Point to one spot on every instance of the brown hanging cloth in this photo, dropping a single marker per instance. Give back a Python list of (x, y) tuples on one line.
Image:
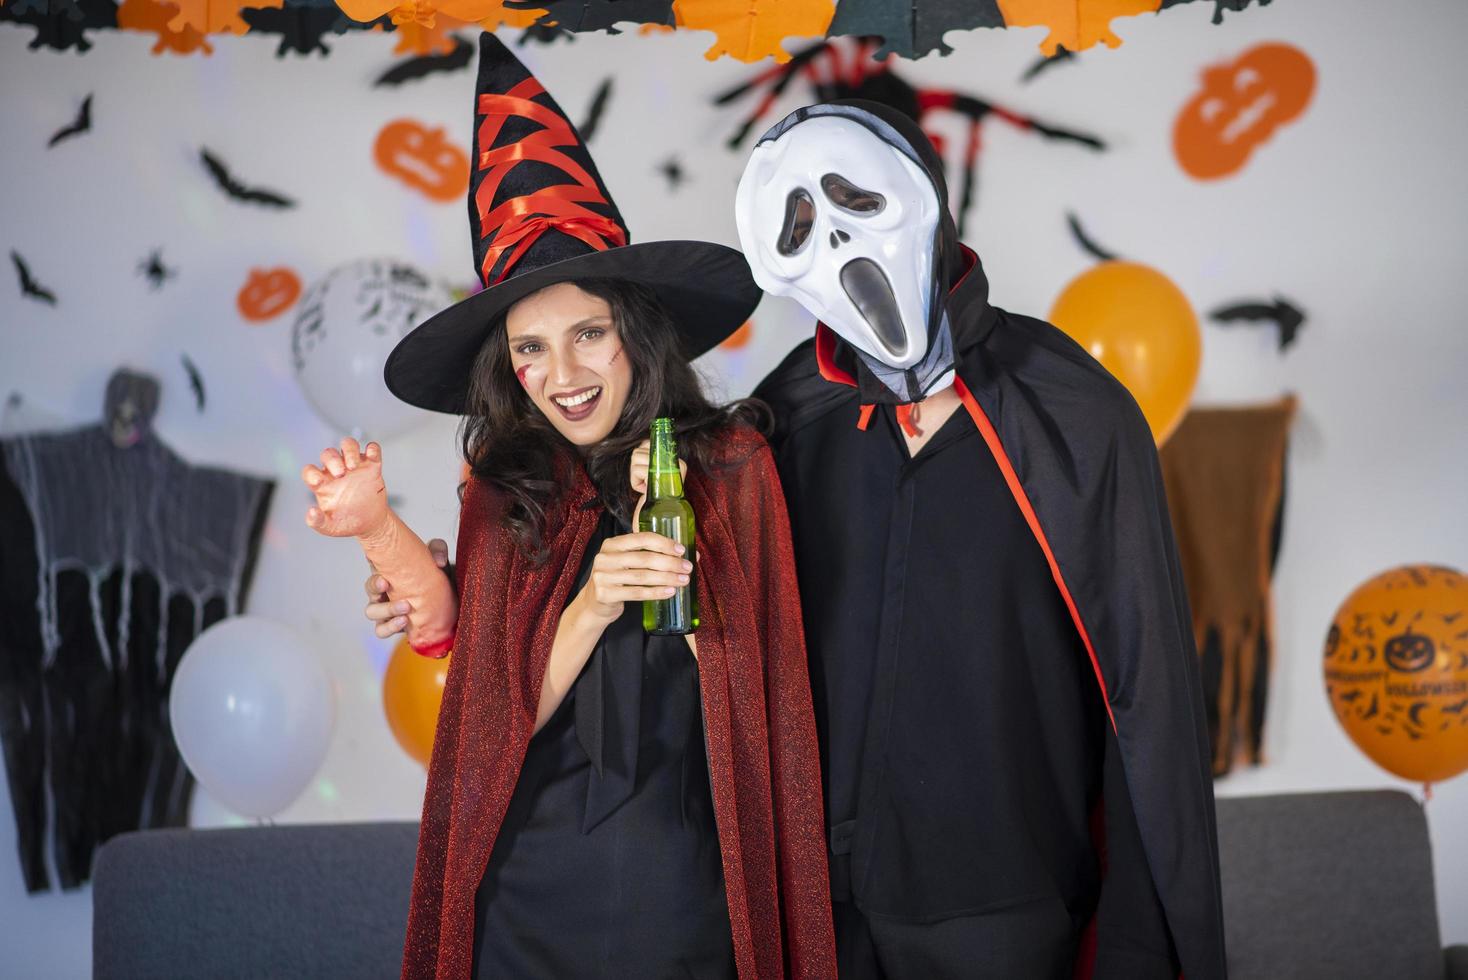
[(1224, 471)]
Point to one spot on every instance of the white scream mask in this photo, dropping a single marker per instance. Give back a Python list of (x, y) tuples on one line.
[(844, 222)]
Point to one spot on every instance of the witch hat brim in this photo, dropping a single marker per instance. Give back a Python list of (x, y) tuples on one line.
[(707, 290), (539, 215)]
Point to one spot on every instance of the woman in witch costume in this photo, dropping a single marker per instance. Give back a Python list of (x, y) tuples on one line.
[(600, 802)]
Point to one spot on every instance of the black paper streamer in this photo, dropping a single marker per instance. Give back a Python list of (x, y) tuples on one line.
[(578, 16), (1219, 6), (912, 30), (61, 24)]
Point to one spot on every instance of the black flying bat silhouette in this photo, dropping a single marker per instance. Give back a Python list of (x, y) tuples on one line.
[(77, 126), (196, 381), (1085, 241), (1044, 64), (28, 285), (1287, 317), (237, 190), (429, 64), (598, 108), (672, 170)]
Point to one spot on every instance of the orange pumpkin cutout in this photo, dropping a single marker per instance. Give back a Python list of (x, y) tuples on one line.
[(268, 293), (1240, 106), (739, 338), (1396, 671), (421, 158)]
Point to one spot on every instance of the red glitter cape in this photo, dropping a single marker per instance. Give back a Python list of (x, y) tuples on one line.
[(758, 721)]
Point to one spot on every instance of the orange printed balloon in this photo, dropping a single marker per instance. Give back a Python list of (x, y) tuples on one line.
[(739, 338), (422, 159), (1239, 107), (1396, 671), (268, 293), (412, 690), (1143, 330)]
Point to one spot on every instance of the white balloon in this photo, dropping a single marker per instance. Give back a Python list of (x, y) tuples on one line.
[(345, 326), (252, 711)]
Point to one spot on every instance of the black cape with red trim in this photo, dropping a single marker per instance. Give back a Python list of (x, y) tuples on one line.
[(1081, 467)]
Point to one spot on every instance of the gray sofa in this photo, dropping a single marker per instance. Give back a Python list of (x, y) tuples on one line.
[(1330, 885)]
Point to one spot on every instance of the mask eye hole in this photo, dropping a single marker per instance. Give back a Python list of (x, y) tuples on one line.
[(849, 197), (800, 214)]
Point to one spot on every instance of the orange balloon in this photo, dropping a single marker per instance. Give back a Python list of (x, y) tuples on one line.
[(412, 690), (1396, 671), (1143, 330), (739, 338)]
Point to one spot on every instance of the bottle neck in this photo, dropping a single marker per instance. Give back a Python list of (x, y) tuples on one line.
[(663, 478)]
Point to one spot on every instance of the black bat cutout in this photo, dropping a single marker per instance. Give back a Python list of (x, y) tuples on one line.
[(429, 64), (81, 124), (542, 33), (598, 109), (237, 190), (155, 271), (1287, 317), (196, 382), (578, 16), (28, 284), (1060, 56), (672, 171), (1085, 241)]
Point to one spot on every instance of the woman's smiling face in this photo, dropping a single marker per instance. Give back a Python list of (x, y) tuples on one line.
[(567, 352)]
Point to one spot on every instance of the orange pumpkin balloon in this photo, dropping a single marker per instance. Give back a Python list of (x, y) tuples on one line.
[(1143, 330), (1396, 671), (412, 690), (423, 159), (268, 293), (1239, 107)]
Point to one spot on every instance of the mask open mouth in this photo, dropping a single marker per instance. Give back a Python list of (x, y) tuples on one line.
[(867, 287)]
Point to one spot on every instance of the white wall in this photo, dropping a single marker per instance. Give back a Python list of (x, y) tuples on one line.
[(1356, 211)]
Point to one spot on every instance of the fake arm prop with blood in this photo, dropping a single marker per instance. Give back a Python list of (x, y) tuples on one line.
[(401, 557), (351, 501)]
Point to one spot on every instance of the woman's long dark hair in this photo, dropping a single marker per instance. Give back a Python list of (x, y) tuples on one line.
[(512, 446)]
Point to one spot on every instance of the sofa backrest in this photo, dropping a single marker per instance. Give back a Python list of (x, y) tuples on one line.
[(312, 901), (1332, 885)]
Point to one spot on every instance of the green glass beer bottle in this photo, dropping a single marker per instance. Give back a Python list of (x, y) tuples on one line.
[(665, 512)]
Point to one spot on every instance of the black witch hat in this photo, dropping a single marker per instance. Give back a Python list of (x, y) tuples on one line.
[(539, 214)]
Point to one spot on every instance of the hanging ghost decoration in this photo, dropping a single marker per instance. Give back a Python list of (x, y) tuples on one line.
[(114, 554)]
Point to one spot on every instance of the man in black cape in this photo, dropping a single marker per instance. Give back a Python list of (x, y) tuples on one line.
[(1006, 685)]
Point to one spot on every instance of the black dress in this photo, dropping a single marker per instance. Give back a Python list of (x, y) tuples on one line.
[(607, 864)]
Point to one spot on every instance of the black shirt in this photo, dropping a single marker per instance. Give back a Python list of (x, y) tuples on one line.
[(965, 743), (607, 864)]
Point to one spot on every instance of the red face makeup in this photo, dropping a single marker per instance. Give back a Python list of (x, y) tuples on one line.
[(567, 354)]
